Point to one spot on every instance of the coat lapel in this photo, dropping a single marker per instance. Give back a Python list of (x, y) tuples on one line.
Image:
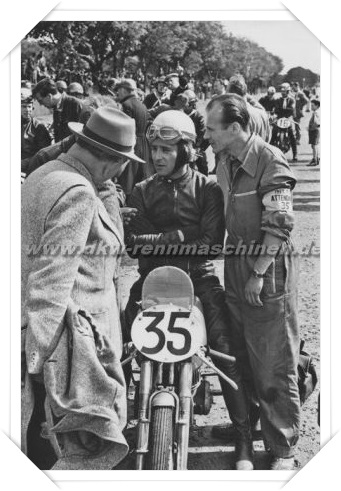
[(103, 214)]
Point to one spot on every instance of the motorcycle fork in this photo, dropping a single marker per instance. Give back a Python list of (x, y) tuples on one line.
[(185, 410), (146, 382)]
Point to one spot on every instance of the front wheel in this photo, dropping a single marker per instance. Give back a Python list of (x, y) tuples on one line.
[(160, 456)]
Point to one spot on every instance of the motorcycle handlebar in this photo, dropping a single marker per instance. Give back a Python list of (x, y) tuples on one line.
[(222, 356)]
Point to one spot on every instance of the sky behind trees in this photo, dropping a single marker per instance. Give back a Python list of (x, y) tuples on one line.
[(290, 40)]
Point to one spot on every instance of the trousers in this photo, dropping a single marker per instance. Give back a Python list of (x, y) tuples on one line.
[(266, 343)]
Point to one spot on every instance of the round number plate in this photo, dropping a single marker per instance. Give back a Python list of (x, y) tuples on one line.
[(166, 333)]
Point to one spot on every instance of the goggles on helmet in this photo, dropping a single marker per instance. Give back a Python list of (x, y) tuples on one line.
[(168, 133)]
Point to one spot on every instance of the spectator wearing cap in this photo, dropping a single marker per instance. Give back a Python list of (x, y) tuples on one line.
[(126, 91), (61, 86), (34, 134), (65, 107), (186, 102), (259, 120), (75, 89), (158, 95), (173, 83), (269, 100), (301, 100)]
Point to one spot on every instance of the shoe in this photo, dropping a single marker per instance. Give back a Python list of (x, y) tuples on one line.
[(279, 464), (311, 163), (294, 159), (244, 455)]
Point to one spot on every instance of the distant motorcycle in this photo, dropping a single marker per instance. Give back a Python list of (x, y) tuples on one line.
[(170, 345), (280, 133)]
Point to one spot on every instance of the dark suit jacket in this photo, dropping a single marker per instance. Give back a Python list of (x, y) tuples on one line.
[(69, 110), (134, 108)]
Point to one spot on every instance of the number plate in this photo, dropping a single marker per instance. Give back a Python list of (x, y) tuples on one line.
[(166, 333)]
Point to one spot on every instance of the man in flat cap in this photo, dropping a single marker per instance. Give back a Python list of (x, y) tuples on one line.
[(126, 91)]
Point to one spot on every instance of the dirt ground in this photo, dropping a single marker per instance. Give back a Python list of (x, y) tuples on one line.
[(207, 452)]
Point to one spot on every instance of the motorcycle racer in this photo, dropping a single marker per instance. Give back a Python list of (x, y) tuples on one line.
[(285, 108), (179, 206)]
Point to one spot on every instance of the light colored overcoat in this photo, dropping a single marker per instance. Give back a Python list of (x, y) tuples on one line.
[(69, 259)]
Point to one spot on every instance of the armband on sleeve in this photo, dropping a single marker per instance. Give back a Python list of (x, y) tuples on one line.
[(278, 200), (278, 216)]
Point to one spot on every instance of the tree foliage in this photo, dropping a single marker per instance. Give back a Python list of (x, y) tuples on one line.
[(205, 49), (302, 75)]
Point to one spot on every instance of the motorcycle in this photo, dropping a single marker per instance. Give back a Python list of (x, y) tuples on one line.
[(280, 132), (169, 343)]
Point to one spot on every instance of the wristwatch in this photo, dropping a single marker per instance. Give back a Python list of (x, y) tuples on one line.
[(256, 274)]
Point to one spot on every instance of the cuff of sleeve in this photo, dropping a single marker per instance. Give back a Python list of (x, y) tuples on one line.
[(282, 234), (181, 235)]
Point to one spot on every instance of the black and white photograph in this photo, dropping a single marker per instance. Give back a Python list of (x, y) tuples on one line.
[(170, 208)]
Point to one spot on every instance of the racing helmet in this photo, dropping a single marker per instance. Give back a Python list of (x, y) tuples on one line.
[(175, 127), (172, 126)]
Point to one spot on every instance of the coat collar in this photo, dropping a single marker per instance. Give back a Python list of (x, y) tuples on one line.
[(104, 216), (79, 167), (130, 96)]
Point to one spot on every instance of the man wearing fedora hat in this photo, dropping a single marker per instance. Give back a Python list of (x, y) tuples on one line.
[(70, 318), (126, 91)]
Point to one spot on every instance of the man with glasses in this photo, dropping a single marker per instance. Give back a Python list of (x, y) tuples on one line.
[(65, 108), (179, 206)]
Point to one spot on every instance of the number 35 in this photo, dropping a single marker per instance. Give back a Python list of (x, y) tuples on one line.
[(158, 316)]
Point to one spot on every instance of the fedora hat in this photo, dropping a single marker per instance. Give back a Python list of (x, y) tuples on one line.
[(110, 130), (126, 83)]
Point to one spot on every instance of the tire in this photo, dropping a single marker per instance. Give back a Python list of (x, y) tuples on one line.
[(160, 455)]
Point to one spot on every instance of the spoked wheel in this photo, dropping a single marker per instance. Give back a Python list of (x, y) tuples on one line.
[(160, 455)]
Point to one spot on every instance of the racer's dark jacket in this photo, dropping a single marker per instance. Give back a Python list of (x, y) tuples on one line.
[(290, 107), (193, 204)]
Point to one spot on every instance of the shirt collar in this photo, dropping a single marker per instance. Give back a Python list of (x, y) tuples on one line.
[(247, 157)]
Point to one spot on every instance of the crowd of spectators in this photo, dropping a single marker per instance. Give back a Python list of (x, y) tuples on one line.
[(73, 97)]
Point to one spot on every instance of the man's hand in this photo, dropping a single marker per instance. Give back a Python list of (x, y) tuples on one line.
[(174, 237), (128, 214), (253, 289)]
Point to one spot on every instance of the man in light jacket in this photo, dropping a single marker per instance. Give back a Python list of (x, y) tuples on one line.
[(70, 319)]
